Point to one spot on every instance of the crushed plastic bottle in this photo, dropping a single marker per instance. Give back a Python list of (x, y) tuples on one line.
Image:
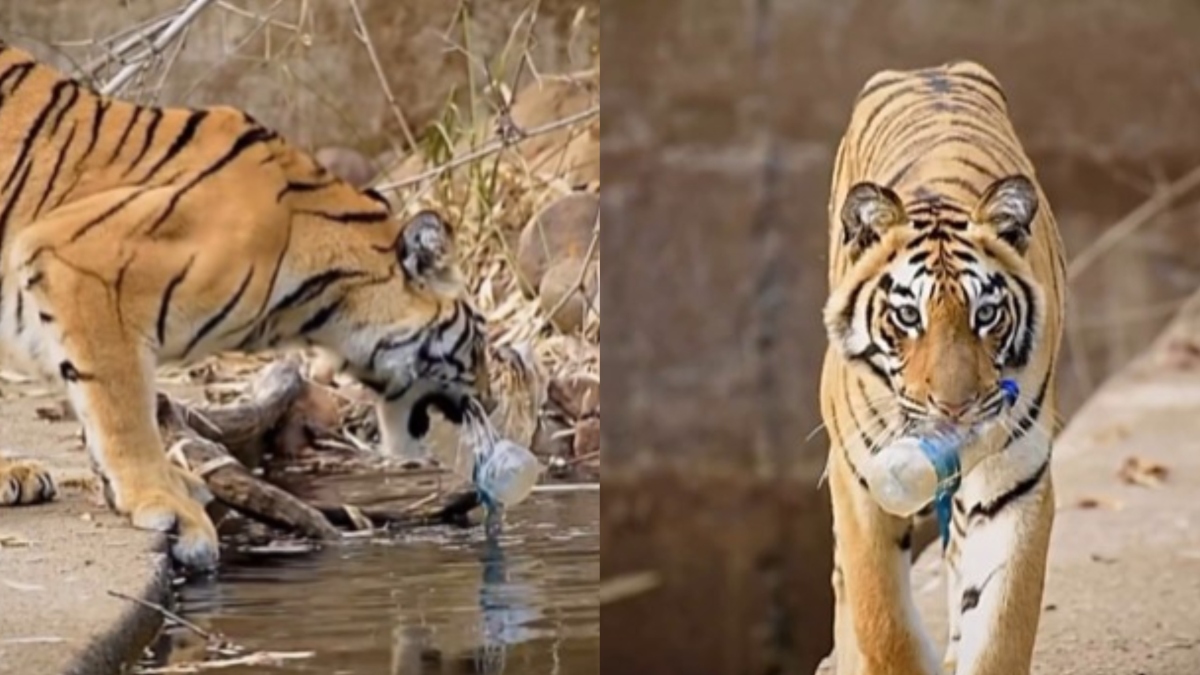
[(504, 472), (905, 476), (915, 470)]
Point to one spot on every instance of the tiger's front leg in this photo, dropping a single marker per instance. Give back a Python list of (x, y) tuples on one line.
[(70, 321), (1003, 518), (877, 630)]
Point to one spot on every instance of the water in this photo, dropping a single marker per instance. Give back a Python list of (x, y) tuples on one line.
[(438, 600)]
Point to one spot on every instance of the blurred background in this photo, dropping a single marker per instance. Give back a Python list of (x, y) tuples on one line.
[(722, 123)]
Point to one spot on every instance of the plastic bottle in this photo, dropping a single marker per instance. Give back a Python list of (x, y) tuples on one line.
[(903, 477), (505, 472)]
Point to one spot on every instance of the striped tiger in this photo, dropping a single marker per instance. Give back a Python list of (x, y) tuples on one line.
[(946, 275), (132, 236)]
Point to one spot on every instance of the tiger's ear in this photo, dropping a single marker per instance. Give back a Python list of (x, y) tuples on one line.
[(426, 248), (868, 211), (1008, 207)]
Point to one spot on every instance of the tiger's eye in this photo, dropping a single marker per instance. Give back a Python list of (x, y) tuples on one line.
[(986, 314), (908, 316)]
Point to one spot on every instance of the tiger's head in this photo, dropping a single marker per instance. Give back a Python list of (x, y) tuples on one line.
[(408, 328), (939, 302)]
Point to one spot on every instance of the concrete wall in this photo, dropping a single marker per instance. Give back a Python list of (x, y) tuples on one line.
[(721, 121)]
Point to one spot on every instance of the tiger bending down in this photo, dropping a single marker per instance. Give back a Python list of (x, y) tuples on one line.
[(132, 236), (946, 275)]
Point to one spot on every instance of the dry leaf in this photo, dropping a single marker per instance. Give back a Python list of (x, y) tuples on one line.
[(1138, 471), (12, 541), (59, 412), (1106, 503)]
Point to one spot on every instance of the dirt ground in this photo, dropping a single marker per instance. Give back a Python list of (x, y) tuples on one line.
[(58, 563)]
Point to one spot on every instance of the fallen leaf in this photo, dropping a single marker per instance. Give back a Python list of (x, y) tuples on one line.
[(56, 413), (12, 541), (1106, 503), (1138, 471)]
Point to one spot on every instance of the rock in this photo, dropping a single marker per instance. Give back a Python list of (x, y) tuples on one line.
[(560, 231), (574, 398), (347, 164), (552, 98), (559, 281), (587, 437)]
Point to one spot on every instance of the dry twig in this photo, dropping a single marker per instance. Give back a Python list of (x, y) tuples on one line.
[(1132, 222), (167, 614), (365, 37), (490, 148)]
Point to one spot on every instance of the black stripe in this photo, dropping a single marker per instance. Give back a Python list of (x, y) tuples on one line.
[(321, 317), (990, 509), (156, 116), (217, 318), (374, 194), (66, 107), (53, 181), (880, 84), (12, 201), (295, 186), (957, 182), (391, 344), (986, 83), (312, 287), (21, 71), (1024, 351), (137, 111), (106, 215), (34, 129), (185, 136), (20, 312), (243, 142), (866, 129), (165, 305), (97, 121), (350, 217)]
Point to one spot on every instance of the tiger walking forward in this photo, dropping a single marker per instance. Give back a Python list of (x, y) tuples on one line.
[(946, 276), (132, 236)]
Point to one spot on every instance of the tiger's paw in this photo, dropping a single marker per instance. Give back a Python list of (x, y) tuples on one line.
[(171, 508), (24, 482)]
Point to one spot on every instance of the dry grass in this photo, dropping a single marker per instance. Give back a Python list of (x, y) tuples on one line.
[(474, 163)]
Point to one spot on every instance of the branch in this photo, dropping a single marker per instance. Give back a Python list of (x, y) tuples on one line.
[(1136, 219), (383, 83), (169, 33), (492, 148)]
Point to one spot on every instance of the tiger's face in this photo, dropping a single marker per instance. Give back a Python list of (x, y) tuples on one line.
[(412, 333), (939, 302)]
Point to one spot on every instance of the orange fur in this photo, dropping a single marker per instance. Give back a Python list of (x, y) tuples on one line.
[(132, 236), (946, 275)]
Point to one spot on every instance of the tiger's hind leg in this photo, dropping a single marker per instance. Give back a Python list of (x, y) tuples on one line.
[(1008, 512), (877, 630), (72, 323), (24, 482)]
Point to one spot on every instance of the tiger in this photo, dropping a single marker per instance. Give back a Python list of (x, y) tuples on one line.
[(133, 236), (946, 276)]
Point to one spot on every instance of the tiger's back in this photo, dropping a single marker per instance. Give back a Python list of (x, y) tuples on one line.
[(133, 235), (947, 279)]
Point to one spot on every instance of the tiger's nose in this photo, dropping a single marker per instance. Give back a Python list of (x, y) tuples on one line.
[(952, 410)]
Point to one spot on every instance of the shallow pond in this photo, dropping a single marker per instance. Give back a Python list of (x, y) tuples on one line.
[(437, 600)]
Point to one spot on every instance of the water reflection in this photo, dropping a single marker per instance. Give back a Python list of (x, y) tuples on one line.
[(442, 601)]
